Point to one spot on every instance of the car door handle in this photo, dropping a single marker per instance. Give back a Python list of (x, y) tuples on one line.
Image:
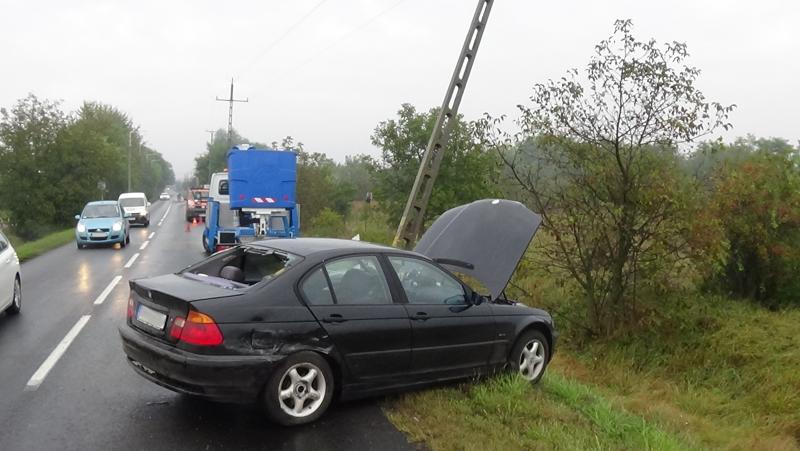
[(334, 318), (420, 316)]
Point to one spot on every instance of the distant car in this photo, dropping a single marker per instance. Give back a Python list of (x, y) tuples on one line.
[(289, 322), (196, 203), (10, 280), (102, 222), (164, 196), (135, 207)]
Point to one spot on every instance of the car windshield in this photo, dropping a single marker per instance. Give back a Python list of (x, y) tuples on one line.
[(132, 202), (100, 211), (243, 265)]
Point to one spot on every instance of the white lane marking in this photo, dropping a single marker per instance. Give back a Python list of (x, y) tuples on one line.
[(151, 236), (165, 215), (38, 377), (133, 259), (144, 245), (100, 299)]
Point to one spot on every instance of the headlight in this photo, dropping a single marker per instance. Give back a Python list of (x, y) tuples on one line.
[(81, 227), (117, 226)]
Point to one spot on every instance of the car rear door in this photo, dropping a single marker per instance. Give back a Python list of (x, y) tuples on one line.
[(352, 300), (449, 336)]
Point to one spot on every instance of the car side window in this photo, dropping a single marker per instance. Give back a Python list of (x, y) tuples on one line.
[(3, 243), (424, 283), (315, 288), (223, 187), (358, 281)]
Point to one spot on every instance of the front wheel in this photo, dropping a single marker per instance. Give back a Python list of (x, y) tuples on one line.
[(530, 356), (16, 300), (299, 390)]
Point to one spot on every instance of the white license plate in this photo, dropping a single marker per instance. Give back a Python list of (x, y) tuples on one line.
[(151, 317), (99, 235)]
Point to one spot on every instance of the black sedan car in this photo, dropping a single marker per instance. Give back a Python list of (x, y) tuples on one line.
[(293, 323)]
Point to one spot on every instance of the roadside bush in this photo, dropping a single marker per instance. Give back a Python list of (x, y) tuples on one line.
[(328, 223), (757, 203)]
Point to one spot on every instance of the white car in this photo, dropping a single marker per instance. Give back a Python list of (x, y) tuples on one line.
[(10, 281), (164, 196)]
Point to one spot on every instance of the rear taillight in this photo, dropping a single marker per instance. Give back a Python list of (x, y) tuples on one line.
[(191, 203), (197, 329), (221, 247), (130, 307)]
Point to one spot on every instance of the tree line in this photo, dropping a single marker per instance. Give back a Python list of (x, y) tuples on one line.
[(52, 162), (640, 202)]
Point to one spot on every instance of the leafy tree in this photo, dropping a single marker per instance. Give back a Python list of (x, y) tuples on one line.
[(28, 136), (598, 157), (328, 223), (468, 171)]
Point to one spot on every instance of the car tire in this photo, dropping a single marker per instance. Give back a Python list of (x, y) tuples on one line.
[(80, 246), (16, 300), (292, 384), (530, 356)]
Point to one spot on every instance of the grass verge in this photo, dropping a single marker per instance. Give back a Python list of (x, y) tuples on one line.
[(27, 251), (507, 413)]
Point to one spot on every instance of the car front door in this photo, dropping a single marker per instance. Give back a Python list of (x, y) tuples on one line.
[(352, 300), (6, 273), (449, 336)]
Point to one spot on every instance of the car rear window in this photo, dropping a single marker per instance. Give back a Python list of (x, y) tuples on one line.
[(242, 267)]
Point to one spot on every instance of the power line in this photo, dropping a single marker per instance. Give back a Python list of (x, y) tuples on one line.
[(283, 35), (341, 38)]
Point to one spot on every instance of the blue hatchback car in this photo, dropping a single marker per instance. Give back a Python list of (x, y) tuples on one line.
[(102, 222)]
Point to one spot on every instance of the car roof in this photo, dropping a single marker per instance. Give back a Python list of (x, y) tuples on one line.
[(124, 195), (103, 202), (308, 246)]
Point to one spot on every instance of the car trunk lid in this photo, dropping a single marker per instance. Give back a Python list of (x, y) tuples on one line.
[(484, 239), (157, 301)]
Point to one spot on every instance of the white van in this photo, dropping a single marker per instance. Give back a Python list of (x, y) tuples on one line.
[(135, 207)]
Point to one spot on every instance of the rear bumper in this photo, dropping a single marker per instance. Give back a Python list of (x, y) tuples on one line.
[(220, 378)]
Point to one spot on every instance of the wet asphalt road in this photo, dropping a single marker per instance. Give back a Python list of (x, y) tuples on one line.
[(92, 399)]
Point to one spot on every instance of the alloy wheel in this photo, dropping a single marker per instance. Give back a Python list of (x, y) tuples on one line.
[(532, 359), (302, 390)]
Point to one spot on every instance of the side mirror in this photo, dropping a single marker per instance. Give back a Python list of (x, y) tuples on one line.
[(474, 298), (77, 217), (148, 204)]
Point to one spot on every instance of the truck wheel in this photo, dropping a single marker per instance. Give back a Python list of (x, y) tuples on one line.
[(203, 239)]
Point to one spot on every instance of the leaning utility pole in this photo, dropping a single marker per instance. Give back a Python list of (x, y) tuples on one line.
[(414, 213), (230, 101)]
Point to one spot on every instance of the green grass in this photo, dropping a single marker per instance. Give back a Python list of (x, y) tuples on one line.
[(712, 373), (507, 413), (27, 251)]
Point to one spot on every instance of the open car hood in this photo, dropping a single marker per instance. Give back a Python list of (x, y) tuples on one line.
[(489, 236)]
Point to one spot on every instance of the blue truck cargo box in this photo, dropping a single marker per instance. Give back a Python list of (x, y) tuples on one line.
[(262, 178)]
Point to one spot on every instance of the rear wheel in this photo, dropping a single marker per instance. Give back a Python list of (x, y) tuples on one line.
[(16, 300), (299, 390), (530, 356)]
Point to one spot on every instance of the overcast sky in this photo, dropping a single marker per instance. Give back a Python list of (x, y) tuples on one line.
[(331, 79)]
